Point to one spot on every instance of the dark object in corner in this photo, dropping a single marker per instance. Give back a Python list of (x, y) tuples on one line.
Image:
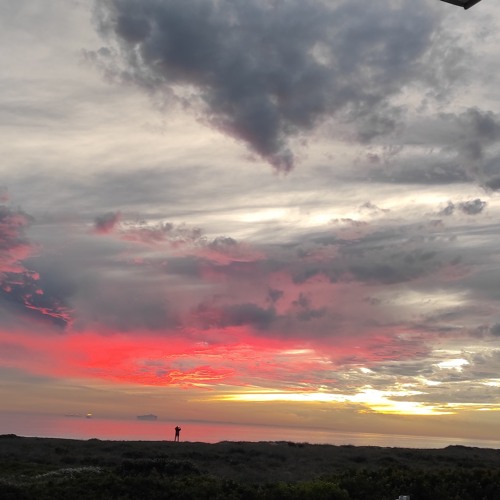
[(466, 4)]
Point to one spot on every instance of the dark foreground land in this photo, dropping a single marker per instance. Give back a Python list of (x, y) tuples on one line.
[(39, 468)]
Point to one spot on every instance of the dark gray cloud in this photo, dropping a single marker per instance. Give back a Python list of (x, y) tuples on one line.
[(478, 130), (472, 207), (493, 183), (473, 137), (380, 255), (188, 266), (248, 314), (304, 309), (106, 223), (266, 71), (495, 330), (123, 305), (441, 149), (449, 209), (423, 170), (274, 295)]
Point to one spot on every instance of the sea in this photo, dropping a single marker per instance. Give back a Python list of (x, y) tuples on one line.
[(82, 428)]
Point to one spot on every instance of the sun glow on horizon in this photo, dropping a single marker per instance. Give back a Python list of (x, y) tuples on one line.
[(372, 400)]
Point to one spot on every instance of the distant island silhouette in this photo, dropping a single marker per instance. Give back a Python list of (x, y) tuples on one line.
[(149, 416)]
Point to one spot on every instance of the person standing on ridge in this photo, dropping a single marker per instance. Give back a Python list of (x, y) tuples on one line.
[(177, 433)]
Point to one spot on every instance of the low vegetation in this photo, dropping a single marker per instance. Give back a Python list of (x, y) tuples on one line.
[(39, 468)]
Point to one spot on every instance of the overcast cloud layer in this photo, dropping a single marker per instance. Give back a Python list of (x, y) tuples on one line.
[(289, 203)]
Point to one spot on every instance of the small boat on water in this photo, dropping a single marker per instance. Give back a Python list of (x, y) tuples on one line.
[(150, 416)]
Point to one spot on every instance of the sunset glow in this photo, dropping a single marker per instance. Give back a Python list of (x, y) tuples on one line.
[(374, 400), (272, 213)]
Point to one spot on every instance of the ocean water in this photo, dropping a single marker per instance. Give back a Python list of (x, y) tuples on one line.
[(161, 430)]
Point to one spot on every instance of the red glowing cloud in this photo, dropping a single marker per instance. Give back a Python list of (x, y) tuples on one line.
[(236, 358)]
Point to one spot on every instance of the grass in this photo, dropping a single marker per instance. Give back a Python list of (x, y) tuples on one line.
[(62, 468)]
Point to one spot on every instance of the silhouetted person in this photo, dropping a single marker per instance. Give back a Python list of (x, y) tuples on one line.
[(177, 433)]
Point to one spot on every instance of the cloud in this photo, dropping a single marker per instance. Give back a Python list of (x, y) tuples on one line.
[(14, 249), (447, 210), (4, 195), (320, 290), (265, 72), (470, 207), (176, 235), (247, 314), (106, 223), (14, 246), (478, 130), (438, 148), (21, 290), (323, 286)]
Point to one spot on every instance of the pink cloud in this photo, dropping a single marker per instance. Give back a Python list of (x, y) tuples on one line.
[(14, 247), (106, 223)]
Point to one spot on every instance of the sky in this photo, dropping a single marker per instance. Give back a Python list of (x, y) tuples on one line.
[(273, 212)]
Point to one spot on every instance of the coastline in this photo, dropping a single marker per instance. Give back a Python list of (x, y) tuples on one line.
[(134, 429)]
